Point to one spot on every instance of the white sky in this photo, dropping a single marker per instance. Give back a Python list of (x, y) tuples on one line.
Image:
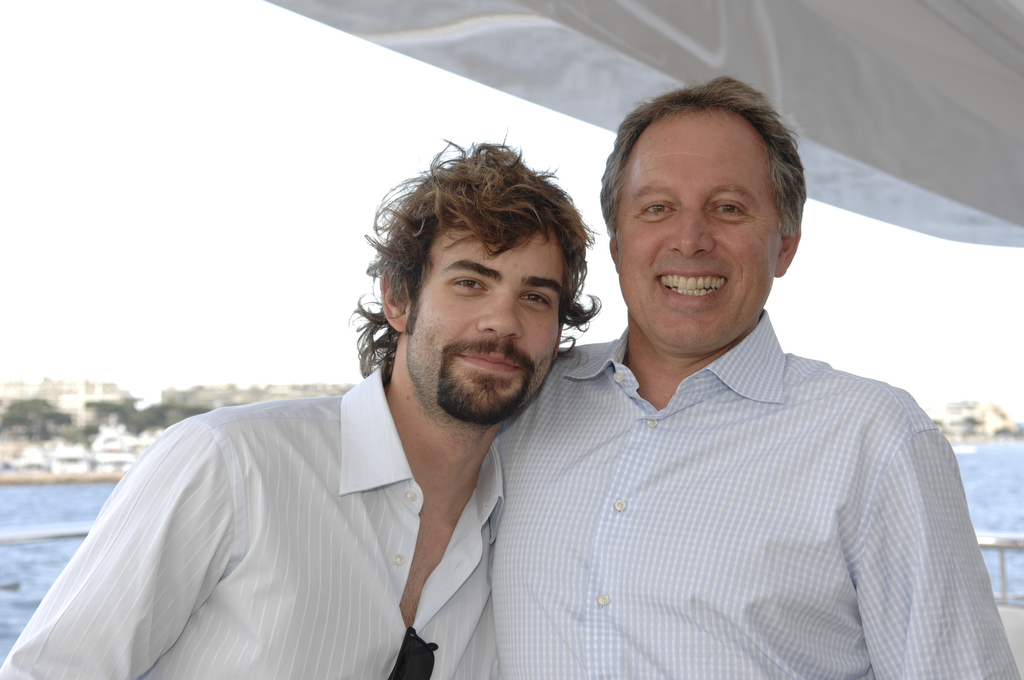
[(184, 190)]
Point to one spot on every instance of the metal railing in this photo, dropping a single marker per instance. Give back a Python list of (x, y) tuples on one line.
[(31, 534), (994, 540), (44, 532), (989, 540)]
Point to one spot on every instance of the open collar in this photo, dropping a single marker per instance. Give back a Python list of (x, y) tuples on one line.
[(372, 455), (754, 368), (371, 451)]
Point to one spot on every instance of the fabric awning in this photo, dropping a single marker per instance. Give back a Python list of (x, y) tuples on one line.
[(910, 111)]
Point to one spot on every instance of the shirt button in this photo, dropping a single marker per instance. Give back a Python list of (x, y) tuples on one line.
[(410, 495), (619, 505), (398, 560), (604, 600), (619, 377), (652, 423)]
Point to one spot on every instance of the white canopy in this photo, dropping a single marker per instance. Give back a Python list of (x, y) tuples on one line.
[(910, 111)]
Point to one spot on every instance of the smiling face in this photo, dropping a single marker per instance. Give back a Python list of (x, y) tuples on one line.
[(484, 331), (698, 240)]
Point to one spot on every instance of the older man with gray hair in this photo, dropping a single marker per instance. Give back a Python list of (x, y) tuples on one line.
[(689, 501)]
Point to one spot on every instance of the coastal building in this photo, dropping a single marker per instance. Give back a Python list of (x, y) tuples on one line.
[(215, 396), (67, 396), (967, 419)]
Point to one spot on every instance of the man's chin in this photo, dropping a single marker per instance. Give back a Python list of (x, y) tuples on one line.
[(484, 401)]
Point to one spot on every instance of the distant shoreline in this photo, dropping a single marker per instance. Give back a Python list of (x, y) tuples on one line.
[(59, 478)]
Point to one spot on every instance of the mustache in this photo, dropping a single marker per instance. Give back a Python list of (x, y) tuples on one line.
[(506, 348)]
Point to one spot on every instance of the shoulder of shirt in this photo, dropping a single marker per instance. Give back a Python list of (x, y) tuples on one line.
[(582, 356), (558, 384), (318, 408), (804, 375)]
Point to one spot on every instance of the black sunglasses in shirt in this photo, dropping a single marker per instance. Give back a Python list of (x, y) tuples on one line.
[(415, 658)]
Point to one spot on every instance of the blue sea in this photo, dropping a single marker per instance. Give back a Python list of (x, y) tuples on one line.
[(35, 566), (993, 480)]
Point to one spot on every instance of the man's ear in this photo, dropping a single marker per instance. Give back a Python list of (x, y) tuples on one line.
[(396, 310), (613, 246), (786, 254)]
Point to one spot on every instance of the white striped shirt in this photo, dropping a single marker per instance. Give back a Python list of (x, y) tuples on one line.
[(267, 541), (778, 519)]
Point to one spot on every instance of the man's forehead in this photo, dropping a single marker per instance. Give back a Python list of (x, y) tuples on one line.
[(724, 146), (465, 241), (702, 134), (451, 238), (452, 248)]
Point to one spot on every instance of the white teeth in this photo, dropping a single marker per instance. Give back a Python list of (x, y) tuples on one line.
[(701, 285)]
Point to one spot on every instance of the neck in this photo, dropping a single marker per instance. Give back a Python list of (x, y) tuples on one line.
[(444, 454), (660, 370), (657, 376)]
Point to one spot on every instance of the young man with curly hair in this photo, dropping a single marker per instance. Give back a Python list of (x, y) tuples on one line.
[(344, 537)]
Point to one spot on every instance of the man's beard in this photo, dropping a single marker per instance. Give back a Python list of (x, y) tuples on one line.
[(476, 399), (480, 402)]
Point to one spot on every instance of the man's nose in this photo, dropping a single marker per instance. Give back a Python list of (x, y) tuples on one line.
[(691, 233), (501, 316)]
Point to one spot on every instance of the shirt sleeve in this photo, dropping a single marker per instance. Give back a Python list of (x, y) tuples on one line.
[(159, 546), (922, 587)]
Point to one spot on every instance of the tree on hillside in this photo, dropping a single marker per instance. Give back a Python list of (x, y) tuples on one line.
[(155, 416), (165, 415), (970, 424), (124, 410), (34, 419)]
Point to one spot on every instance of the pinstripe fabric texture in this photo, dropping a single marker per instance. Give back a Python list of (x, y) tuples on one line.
[(778, 519), (267, 541)]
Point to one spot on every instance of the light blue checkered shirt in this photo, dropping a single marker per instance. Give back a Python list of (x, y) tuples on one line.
[(778, 519)]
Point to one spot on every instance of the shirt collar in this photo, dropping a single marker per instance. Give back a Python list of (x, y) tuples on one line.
[(489, 491), (753, 369), (594, 359), (371, 451), (372, 455)]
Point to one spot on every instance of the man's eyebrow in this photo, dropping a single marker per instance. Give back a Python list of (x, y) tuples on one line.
[(649, 189), (476, 267), (541, 282), (735, 188), (495, 275)]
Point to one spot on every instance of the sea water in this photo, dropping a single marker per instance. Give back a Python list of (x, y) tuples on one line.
[(994, 483), (993, 479), (33, 567)]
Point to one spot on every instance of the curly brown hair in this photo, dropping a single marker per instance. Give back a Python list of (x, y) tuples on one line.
[(487, 193)]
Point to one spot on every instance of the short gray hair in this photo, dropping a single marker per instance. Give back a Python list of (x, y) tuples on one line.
[(785, 171)]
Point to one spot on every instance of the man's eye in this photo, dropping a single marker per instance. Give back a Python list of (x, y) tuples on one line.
[(729, 208), (467, 283), (656, 208), (535, 297)]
